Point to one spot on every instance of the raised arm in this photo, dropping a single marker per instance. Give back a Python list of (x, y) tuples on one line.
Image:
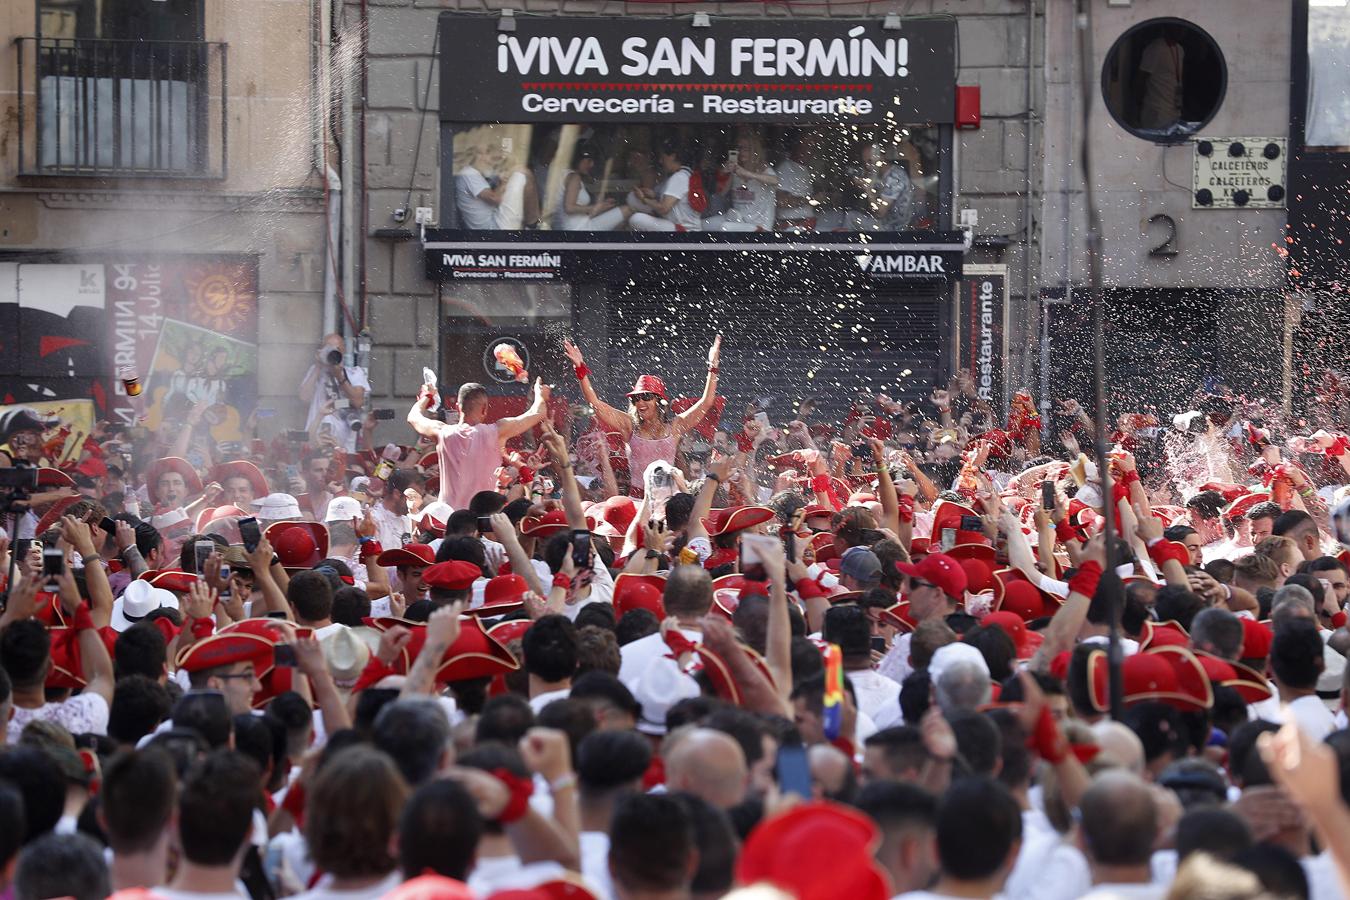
[(417, 417), (886, 493), (689, 419), (509, 428), (613, 418), (520, 563), (557, 448)]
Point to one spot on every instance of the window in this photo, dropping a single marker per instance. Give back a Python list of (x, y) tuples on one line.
[(642, 177), (125, 87), (1328, 115), (1164, 80)]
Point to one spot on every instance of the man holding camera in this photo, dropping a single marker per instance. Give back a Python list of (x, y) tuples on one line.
[(335, 393)]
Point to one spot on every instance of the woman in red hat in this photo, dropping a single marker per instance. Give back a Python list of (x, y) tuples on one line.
[(649, 429)]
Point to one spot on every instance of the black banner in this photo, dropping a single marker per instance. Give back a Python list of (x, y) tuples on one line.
[(587, 69), (983, 323), (933, 257)]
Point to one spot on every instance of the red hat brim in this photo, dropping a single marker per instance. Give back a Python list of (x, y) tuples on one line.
[(242, 468), (736, 518), (173, 464), (403, 556)]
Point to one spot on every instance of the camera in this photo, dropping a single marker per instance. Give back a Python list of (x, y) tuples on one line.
[(17, 478), (333, 357)]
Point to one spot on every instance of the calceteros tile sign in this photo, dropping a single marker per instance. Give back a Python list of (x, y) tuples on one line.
[(1239, 173)]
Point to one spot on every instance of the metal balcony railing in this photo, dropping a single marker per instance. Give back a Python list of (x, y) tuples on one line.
[(125, 108)]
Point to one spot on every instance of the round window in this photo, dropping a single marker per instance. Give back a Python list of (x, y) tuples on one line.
[(1164, 79)]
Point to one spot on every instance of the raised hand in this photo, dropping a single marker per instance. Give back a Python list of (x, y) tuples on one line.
[(573, 353), (715, 352)]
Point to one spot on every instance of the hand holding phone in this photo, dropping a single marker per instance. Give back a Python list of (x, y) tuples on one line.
[(283, 655), (794, 771), (1048, 495), (249, 533), (53, 567), (581, 548)]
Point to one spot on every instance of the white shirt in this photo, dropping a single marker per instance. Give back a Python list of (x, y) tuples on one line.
[(474, 213), (796, 180), (1323, 883), (878, 696), (635, 656), (503, 873), (753, 201), (322, 891), (1312, 715), (389, 528), (1126, 892), (538, 703), (677, 186), (328, 388), (1048, 867), (595, 863), (85, 713)]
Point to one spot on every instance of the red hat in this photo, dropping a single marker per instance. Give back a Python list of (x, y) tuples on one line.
[(225, 649), (299, 545), (649, 384), (1229, 491), (619, 512), (173, 464), (1243, 505), (736, 518), (815, 510), (175, 580), (278, 631), (48, 477), (93, 467), (1015, 593), (502, 594), (430, 460), (53, 513), (408, 555), (1163, 634), (550, 523), (939, 569), (474, 654), (822, 545), (1012, 624), (216, 513), (981, 552), (1247, 682), (509, 630), (1256, 638), (815, 851), (66, 665), (453, 575), (947, 514), (898, 616), (979, 574), (639, 592), (1171, 675), (242, 468)]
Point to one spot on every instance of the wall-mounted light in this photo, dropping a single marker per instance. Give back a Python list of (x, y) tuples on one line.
[(701, 20), (892, 22), (508, 20)]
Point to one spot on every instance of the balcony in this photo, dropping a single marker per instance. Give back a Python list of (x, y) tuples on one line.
[(122, 108)]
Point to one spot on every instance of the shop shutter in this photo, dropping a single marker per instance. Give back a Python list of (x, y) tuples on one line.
[(782, 346)]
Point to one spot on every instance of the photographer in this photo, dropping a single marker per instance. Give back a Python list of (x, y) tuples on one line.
[(328, 385)]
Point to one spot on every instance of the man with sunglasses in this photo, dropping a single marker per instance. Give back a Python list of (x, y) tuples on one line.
[(933, 588)]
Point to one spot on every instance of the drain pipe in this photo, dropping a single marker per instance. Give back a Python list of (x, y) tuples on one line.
[(1028, 182), (332, 256)]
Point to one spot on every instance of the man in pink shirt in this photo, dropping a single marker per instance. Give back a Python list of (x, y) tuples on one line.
[(471, 450)]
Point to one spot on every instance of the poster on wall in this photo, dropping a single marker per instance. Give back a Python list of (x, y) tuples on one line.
[(187, 327), (983, 316)]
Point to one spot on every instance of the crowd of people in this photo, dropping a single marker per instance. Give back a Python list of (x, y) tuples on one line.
[(658, 648), (644, 178)]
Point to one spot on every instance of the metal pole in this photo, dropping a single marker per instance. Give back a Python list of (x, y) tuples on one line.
[(1110, 586)]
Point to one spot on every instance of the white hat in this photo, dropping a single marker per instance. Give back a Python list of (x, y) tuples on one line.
[(276, 507), (437, 510), (343, 509), (346, 655), (360, 484), (660, 687), (956, 652), (139, 600)]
